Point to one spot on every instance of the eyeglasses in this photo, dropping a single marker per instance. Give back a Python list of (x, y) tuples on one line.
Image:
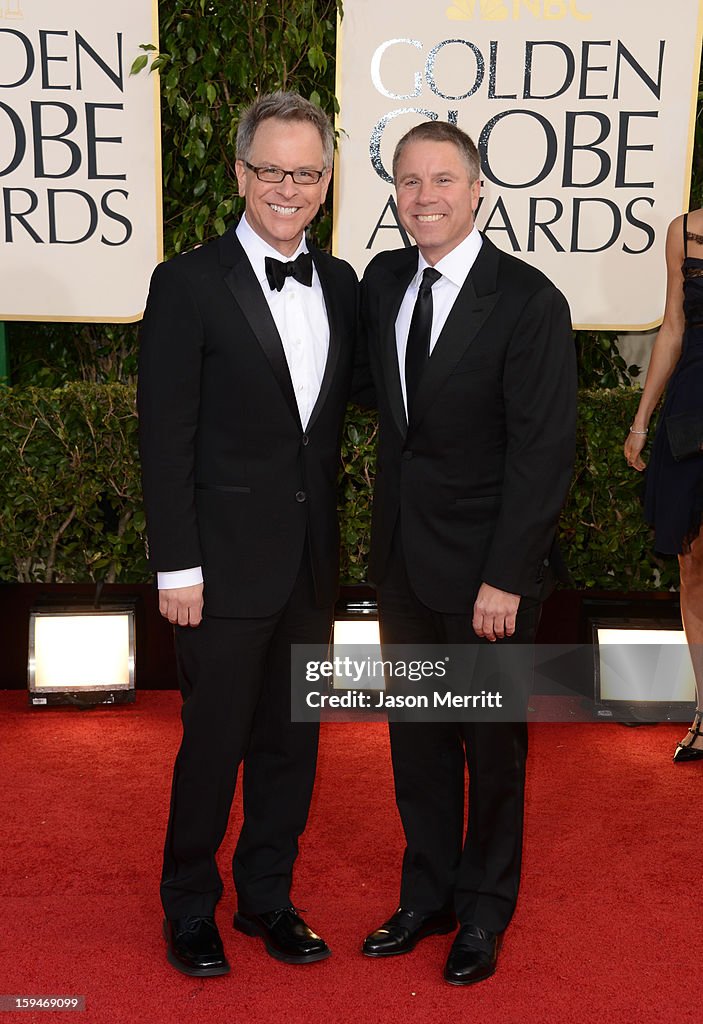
[(275, 175)]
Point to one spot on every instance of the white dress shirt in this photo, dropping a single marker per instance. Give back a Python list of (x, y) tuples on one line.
[(455, 267), (300, 316)]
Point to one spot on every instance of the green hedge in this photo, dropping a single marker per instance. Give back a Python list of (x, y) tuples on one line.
[(605, 541), (71, 508), (71, 498)]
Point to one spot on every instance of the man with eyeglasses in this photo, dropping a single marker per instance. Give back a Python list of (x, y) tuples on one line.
[(246, 357)]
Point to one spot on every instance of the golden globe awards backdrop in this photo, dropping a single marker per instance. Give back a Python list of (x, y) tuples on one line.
[(80, 175), (583, 112)]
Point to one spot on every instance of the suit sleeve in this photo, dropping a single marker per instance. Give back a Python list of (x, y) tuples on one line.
[(363, 392), (539, 391), (168, 399)]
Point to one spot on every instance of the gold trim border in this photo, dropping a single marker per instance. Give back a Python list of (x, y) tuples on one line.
[(624, 328), (693, 108), (338, 128)]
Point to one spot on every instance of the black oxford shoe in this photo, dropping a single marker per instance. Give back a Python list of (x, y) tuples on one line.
[(473, 956), (404, 929), (194, 946), (285, 934)]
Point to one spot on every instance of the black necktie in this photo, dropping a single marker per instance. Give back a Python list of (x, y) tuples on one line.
[(417, 352), (277, 271)]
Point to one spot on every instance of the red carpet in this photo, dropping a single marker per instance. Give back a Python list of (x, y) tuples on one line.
[(608, 926)]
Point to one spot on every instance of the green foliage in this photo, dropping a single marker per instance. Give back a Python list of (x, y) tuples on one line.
[(356, 483), (214, 60), (52, 354), (696, 200), (600, 364), (71, 508), (604, 538)]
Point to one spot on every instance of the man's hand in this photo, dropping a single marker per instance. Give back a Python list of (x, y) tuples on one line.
[(182, 605), (494, 613)]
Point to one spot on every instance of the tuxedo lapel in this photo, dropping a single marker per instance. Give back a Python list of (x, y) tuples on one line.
[(324, 270), (470, 311), (244, 285)]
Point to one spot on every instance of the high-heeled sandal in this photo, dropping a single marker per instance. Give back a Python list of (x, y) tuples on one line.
[(686, 751)]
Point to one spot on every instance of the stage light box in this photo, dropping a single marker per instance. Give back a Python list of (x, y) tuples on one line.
[(643, 666), (356, 625), (82, 657)]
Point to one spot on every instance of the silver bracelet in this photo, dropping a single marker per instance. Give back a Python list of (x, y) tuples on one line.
[(633, 431)]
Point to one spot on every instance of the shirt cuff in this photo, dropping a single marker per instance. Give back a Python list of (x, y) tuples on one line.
[(179, 578)]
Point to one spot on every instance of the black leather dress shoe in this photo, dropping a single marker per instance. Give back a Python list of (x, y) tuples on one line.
[(404, 929), (473, 956), (194, 946), (285, 934)]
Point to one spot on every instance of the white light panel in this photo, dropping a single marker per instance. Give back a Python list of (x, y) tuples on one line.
[(652, 665), (80, 651), (364, 635)]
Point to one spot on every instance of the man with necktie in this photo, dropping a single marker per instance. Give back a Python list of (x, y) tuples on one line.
[(473, 362), (246, 356)]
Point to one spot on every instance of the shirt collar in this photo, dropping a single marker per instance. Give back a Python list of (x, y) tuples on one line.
[(257, 249), (457, 264)]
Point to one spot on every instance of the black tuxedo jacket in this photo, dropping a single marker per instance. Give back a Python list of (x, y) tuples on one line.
[(480, 474), (231, 480)]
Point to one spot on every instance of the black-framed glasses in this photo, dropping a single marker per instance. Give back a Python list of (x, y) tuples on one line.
[(275, 175)]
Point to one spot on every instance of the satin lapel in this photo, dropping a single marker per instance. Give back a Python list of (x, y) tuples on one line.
[(324, 268), (396, 284), (472, 308), (243, 283)]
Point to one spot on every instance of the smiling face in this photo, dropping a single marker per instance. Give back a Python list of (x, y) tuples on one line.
[(436, 197), (279, 213)]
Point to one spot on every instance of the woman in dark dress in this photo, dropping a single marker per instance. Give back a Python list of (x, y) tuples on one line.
[(673, 502)]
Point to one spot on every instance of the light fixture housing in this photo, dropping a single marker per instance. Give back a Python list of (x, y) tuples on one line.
[(356, 625), (643, 670), (83, 656)]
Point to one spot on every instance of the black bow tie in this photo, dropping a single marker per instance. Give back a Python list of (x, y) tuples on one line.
[(277, 271)]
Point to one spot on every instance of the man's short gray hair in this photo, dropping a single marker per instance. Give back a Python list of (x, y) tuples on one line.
[(442, 131), (284, 106)]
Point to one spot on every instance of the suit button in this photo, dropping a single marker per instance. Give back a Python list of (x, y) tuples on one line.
[(407, 455), (306, 440), (300, 496)]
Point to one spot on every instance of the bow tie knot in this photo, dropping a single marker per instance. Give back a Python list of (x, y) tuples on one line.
[(277, 271)]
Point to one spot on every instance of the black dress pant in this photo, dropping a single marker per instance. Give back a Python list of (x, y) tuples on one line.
[(235, 681), (478, 874)]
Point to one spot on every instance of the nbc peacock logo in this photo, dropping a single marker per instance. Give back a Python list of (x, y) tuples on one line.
[(513, 10), (488, 10)]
